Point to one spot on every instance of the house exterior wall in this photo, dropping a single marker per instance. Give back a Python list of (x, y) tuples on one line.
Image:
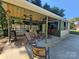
[(77, 27), (43, 28), (64, 32)]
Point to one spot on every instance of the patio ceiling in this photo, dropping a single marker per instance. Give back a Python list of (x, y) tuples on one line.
[(19, 12), (29, 6)]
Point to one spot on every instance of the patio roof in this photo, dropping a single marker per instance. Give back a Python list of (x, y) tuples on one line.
[(27, 5)]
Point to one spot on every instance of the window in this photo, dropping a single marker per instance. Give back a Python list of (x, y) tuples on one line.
[(53, 25), (65, 25)]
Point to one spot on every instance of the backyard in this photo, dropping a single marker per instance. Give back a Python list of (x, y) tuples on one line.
[(39, 29)]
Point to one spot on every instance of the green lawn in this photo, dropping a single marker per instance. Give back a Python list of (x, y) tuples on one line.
[(74, 32)]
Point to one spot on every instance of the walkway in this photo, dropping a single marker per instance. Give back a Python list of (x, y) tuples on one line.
[(67, 49)]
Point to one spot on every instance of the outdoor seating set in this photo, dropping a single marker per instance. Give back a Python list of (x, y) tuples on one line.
[(32, 36), (38, 51)]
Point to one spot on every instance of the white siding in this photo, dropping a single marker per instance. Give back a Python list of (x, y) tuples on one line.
[(64, 33)]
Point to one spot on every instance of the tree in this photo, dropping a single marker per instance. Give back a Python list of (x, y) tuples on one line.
[(55, 10), (74, 19), (37, 2), (72, 25), (3, 21), (58, 11), (47, 7)]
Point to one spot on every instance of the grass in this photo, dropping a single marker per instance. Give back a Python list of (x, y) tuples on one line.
[(74, 32)]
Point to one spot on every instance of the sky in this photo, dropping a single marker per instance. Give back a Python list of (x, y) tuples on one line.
[(71, 6)]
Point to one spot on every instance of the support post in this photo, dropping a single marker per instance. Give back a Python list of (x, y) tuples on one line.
[(58, 25), (60, 28), (8, 18), (68, 25), (46, 28), (47, 48)]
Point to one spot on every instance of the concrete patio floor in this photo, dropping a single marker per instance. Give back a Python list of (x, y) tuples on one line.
[(66, 49), (15, 53), (15, 50)]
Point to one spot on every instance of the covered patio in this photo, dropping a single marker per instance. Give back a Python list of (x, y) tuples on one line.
[(23, 16), (33, 22)]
